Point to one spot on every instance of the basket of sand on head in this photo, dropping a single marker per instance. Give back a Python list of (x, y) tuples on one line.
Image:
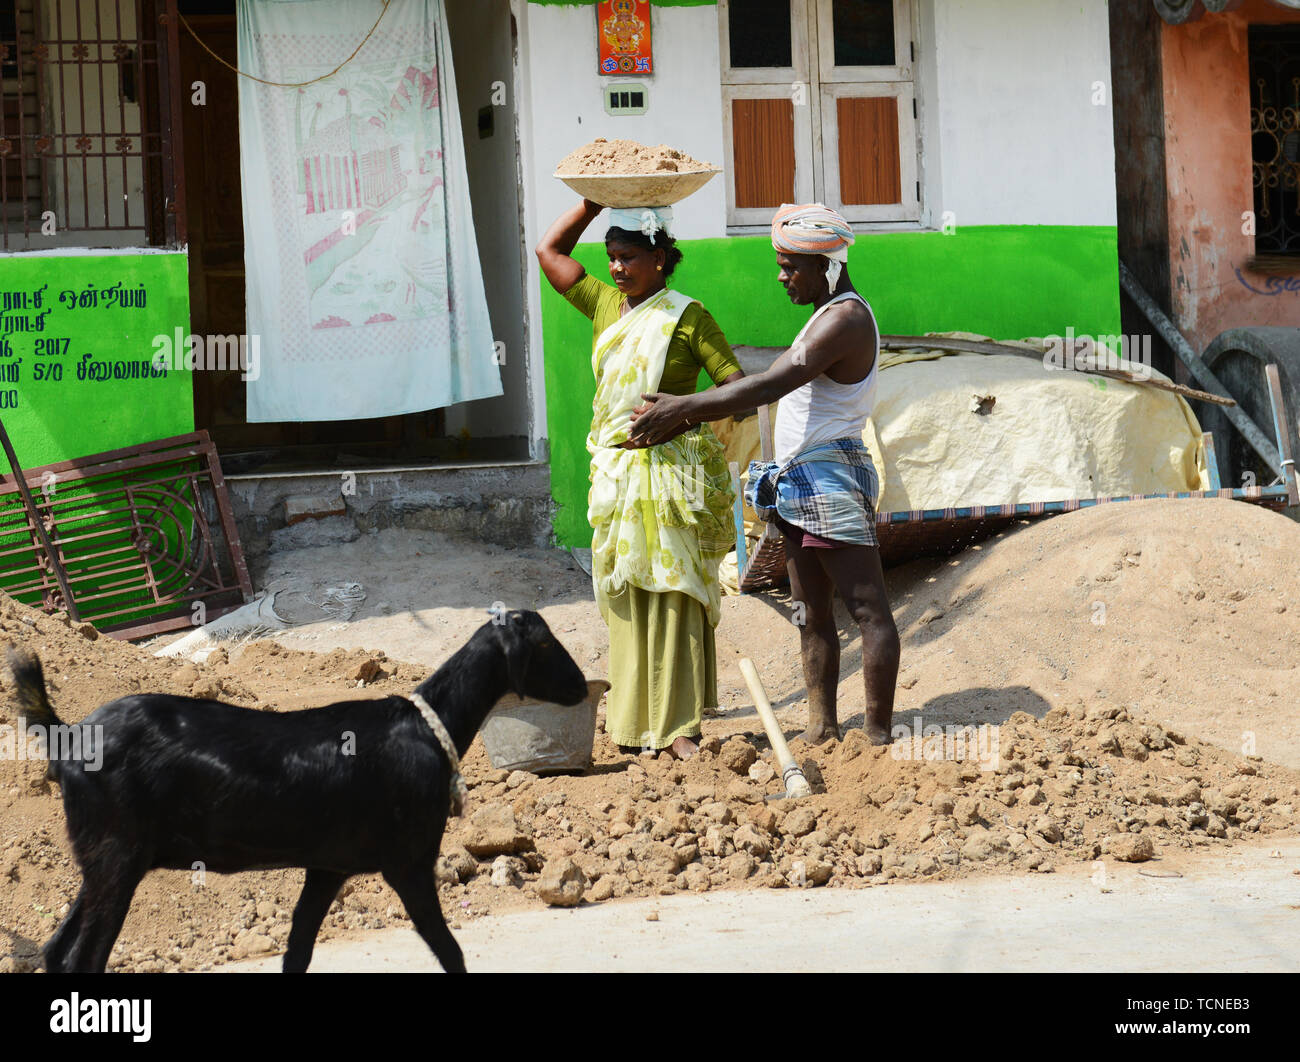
[(623, 173)]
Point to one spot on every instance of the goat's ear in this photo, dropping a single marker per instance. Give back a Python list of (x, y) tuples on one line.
[(518, 649)]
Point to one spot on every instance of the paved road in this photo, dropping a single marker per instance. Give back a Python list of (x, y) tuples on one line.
[(1234, 910)]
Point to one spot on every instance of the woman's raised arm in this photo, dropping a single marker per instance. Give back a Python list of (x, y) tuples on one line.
[(555, 248)]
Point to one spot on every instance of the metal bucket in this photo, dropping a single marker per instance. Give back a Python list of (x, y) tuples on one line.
[(542, 738)]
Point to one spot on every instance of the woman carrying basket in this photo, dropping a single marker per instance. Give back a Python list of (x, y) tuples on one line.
[(661, 516)]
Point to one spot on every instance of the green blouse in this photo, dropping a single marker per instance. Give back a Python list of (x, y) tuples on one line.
[(697, 344)]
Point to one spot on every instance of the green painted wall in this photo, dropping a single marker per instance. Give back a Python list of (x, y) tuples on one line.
[(52, 420), (93, 316), (1006, 282)]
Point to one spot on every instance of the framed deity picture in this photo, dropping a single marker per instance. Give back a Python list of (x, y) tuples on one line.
[(623, 37)]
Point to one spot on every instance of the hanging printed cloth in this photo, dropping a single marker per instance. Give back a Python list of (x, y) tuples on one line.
[(363, 277)]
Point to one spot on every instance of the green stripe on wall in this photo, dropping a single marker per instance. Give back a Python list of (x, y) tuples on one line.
[(1004, 281)]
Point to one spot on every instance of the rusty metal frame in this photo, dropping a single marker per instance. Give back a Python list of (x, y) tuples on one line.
[(48, 557), (143, 532)]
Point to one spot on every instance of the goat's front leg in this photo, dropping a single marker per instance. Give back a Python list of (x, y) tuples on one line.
[(56, 949), (318, 893), (418, 891)]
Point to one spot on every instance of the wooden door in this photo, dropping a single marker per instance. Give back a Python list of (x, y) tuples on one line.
[(216, 229)]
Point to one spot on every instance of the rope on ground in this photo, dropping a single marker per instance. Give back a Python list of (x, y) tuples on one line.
[(341, 602)]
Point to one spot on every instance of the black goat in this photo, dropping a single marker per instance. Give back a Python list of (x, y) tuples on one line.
[(351, 788)]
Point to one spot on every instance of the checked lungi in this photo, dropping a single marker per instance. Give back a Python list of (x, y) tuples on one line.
[(828, 490)]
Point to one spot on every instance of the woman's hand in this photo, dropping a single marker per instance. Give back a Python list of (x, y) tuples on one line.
[(660, 418)]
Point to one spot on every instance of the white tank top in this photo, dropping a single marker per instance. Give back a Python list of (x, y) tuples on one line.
[(822, 410)]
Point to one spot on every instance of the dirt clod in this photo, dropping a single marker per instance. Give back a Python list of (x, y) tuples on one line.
[(1132, 848), (562, 883), (738, 755), (494, 831)]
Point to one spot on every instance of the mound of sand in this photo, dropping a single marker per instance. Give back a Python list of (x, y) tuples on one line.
[(614, 157), (1075, 786), (1187, 612)]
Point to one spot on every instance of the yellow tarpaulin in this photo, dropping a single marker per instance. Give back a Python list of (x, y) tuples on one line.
[(997, 429)]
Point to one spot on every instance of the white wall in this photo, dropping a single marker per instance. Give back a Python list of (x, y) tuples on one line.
[(1009, 132), (1020, 141), (566, 104), (482, 56), (561, 107)]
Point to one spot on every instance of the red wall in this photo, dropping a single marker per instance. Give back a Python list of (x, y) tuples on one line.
[(1207, 160)]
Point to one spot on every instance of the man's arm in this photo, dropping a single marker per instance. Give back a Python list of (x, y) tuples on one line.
[(640, 444), (825, 345)]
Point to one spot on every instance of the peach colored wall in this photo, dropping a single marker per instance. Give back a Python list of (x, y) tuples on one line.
[(1207, 158)]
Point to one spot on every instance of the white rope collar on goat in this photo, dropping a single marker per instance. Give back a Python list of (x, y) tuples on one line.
[(458, 791)]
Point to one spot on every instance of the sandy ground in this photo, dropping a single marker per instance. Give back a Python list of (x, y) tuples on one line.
[(1189, 611), (1196, 916), (1137, 660)]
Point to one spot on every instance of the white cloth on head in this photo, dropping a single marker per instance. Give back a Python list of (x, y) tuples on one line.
[(645, 220), (812, 229)]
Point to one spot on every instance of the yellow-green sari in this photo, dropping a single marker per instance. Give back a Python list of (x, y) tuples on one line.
[(661, 522)]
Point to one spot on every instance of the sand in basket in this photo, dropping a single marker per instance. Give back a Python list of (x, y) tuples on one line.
[(624, 173)]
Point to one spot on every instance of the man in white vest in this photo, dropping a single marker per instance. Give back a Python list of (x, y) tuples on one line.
[(821, 490)]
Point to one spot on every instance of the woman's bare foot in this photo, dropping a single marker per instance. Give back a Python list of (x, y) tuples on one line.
[(684, 748)]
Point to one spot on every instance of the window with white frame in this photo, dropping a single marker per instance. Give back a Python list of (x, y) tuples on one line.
[(819, 105)]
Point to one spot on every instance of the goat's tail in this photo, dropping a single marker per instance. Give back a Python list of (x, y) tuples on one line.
[(29, 688)]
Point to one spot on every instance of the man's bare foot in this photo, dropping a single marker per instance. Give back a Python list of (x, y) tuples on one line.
[(877, 734), (820, 732), (684, 748)]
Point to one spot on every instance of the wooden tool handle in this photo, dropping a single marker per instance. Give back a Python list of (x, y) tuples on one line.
[(795, 782)]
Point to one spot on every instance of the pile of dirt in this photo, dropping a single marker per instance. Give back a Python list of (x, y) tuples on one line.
[(615, 157), (1084, 783), (1132, 666), (1184, 611)]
